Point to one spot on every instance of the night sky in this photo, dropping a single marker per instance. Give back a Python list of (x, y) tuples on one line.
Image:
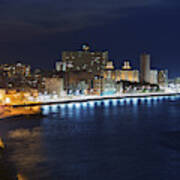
[(36, 31)]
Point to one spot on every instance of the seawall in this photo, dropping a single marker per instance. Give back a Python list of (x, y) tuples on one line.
[(97, 98)]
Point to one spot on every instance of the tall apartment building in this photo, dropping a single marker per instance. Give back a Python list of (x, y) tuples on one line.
[(84, 60), (145, 68)]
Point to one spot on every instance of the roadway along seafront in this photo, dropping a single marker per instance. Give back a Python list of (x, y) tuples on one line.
[(35, 108), (74, 99)]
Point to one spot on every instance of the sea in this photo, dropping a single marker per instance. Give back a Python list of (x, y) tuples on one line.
[(121, 139)]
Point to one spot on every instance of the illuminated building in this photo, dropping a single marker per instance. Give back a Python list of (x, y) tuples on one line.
[(2, 96), (145, 68), (83, 67), (177, 80), (163, 77), (83, 82), (126, 65), (54, 86), (60, 66), (14, 97), (84, 60), (125, 74), (109, 87), (153, 77), (109, 72), (109, 65), (112, 77), (12, 70)]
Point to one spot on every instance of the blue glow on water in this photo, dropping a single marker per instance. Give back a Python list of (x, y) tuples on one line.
[(166, 97), (142, 100), (91, 104), (99, 103), (77, 105), (128, 101), (54, 108), (149, 101), (70, 105), (84, 104), (45, 110), (114, 102), (172, 98), (135, 101), (121, 101), (155, 98), (62, 105), (161, 98), (75, 139), (106, 103)]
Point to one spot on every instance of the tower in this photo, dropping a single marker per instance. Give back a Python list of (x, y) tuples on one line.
[(145, 68)]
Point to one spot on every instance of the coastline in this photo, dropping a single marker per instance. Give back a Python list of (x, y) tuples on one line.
[(97, 98), (34, 109)]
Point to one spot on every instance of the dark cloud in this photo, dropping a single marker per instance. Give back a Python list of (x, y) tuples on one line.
[(22, 19)]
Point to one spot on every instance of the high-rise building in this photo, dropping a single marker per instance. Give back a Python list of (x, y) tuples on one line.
[(145, 68), (85, 60)]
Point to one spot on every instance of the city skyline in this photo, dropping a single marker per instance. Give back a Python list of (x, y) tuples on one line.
[(43, 29), (89, 89)]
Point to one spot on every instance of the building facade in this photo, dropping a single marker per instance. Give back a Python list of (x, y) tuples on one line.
[(54, 86), (153, 77), (145, 68), (124, 74), (163, 78), (84, 60), (13, 70)]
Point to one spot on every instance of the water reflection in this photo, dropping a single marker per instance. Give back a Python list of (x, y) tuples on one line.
[(121, 101), (135, 101), (91, 104), (54, 108), (114, 102), (45, 109), (106, 103), (99, 103), (27, 152), (70, 105), (84, 105), (77, 105), (128, 101), (154, 100), (73, 140)]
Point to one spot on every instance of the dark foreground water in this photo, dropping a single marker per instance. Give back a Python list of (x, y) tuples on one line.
[(128, 140)]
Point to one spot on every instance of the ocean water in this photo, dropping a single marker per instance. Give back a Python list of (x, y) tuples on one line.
[(129, 139)]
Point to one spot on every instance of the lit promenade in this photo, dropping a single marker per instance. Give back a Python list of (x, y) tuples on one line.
[(67, 99), (47, 100), (33, 109)]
